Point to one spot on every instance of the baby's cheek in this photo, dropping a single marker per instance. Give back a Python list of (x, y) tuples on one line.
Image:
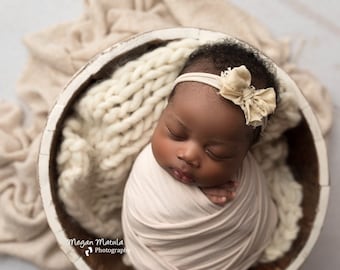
[(220, 173), (160, 149)]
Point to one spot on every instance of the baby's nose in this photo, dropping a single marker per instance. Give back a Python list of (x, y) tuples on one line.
[(190, 154)]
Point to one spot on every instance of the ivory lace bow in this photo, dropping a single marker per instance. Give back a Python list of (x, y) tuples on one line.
[(234, 84)]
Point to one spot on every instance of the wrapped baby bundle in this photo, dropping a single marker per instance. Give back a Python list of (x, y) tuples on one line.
[(170, 225)]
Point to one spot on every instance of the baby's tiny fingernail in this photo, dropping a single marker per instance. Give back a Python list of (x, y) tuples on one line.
[(223, 199), (231, 195)]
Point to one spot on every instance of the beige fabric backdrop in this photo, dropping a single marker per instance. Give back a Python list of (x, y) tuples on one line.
[(55, 54)]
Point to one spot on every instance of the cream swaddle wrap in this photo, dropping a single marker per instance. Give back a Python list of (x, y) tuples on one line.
[(170, 225)]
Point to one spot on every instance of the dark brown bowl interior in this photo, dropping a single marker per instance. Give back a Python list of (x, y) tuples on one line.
[(302, 160)]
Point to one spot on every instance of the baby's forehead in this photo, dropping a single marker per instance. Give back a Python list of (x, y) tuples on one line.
[(198, 92), (200, 105), (191, 91)]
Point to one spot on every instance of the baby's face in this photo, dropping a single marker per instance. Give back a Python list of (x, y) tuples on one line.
[(201, 139)]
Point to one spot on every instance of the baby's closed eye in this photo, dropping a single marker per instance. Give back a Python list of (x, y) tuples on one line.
[(176, 134), (218, 153)]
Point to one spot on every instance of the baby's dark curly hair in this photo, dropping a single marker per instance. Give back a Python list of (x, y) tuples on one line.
[(217, 57)]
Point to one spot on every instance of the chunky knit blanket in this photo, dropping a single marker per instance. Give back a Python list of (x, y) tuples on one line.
[(55, 54)]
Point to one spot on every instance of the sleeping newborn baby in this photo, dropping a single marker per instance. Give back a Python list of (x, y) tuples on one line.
[(171, 219)]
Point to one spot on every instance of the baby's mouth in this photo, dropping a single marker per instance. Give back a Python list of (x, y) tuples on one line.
[(184, 177)]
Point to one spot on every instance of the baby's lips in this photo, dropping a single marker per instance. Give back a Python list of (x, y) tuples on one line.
[(183, 176), (232, 184)]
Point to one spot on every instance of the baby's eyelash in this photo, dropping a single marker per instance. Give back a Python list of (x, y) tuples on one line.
[(173, 135), (215, 157), (212, 155)]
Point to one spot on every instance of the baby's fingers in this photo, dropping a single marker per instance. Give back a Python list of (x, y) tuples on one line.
[(221, 199), (219, 191), (222, 194), (230, 185)]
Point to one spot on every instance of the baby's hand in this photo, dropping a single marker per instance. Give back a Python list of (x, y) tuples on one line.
[(222, 194)]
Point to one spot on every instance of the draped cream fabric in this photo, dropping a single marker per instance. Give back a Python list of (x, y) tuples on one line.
[(169, 225)]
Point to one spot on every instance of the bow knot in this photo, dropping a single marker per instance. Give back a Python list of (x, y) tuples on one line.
[(257, 104)]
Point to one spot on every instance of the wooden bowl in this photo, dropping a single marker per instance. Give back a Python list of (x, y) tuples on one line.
[(307, 158)]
